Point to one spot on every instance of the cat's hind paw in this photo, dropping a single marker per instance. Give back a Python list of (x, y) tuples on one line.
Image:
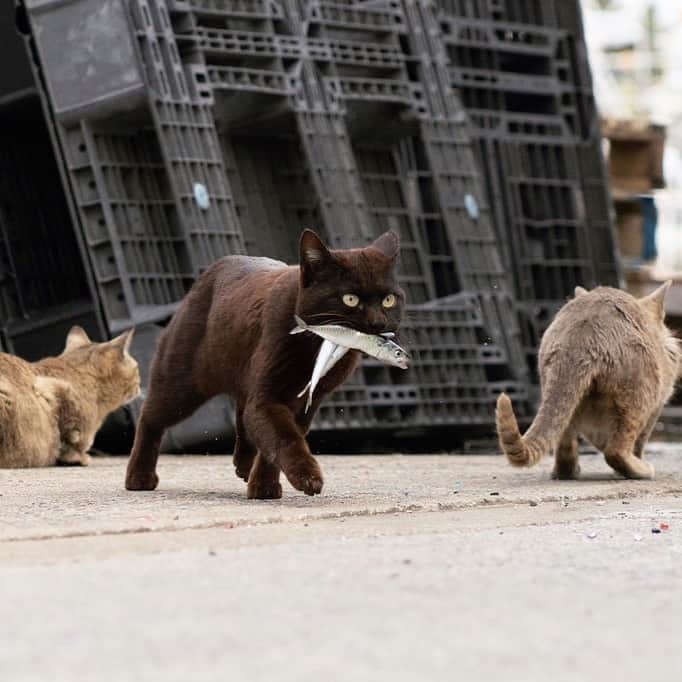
[(74, 459), (566, 472), (141, 480)]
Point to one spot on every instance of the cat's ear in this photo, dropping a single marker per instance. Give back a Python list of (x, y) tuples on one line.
[(579, 291), (388, 244), (655, 302), (123, 341), (76, 338), (314, 256)]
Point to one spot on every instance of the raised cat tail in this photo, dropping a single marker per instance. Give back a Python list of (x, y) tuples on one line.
[(562, 392)]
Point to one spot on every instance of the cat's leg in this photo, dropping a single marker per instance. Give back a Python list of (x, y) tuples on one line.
[(161, 410), (566, 466), (619, 451), (244, 451), (141, 472), (264, 480), (74, 446), (272, 428), (645, 434)]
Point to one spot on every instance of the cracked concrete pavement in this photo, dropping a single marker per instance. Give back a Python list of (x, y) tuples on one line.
[(405, 568)]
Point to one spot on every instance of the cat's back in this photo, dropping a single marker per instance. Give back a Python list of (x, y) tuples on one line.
[(231, 269), (601, 311), (27, 432), (603, 323), (15, 373)]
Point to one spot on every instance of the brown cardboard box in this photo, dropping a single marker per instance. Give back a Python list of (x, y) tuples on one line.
[(630, 225), (635, 155)]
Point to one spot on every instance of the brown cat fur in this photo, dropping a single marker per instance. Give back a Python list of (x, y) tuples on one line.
[(608, 364), (50, 410), (231, 336)]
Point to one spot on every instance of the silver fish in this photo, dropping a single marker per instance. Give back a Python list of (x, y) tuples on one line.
[(328, 355), (378, 347)]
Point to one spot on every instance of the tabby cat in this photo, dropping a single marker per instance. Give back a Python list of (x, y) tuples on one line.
[(50, 410), (608, 364)]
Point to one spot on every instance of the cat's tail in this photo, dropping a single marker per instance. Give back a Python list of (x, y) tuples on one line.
[(562, 392)]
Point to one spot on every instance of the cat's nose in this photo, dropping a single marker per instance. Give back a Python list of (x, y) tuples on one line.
[(377, 323)]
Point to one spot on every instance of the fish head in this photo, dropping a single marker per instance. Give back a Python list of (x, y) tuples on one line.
[(400, 357), (391, 353)]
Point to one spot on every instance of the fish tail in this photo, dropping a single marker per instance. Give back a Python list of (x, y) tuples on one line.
[(301, 326)]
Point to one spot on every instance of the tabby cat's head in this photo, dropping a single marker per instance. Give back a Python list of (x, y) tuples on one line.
[(353, 287), (111, 364)]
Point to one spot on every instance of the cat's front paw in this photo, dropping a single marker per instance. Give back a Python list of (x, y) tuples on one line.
[(141, 480), (73, 458), (306, 476), (264, 490)]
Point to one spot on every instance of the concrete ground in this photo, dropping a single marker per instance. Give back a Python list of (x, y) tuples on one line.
[(405, 568)]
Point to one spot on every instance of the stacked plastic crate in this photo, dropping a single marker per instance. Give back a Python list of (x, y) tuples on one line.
[(39, 297), (191, 129), (522, 72), (300, 93)]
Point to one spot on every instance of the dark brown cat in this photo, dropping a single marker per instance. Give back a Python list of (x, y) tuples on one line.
[(231, 335)]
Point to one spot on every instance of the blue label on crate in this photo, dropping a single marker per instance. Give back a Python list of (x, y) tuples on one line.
[(471, 206), (201, 196)]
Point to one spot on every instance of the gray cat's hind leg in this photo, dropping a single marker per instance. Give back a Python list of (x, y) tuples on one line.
[(619, 452), (566, 466)]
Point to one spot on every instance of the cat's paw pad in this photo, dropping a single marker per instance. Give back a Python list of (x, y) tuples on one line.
[(142, 480), (264, 491)]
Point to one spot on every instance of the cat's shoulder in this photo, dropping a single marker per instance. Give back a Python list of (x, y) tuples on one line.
[(231, 269), (247, 264), (14, 368)]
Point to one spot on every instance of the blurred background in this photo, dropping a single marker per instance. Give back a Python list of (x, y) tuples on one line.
[(520, 147), (635, 51)]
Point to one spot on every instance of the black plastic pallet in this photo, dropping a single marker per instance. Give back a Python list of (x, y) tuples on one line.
[(226, 126), (522, 72), (43, 284)]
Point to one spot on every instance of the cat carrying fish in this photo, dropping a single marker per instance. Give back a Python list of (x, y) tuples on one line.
[(230, 335)]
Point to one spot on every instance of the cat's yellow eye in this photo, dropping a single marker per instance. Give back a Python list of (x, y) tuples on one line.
[(389, 301), (351, 300)]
